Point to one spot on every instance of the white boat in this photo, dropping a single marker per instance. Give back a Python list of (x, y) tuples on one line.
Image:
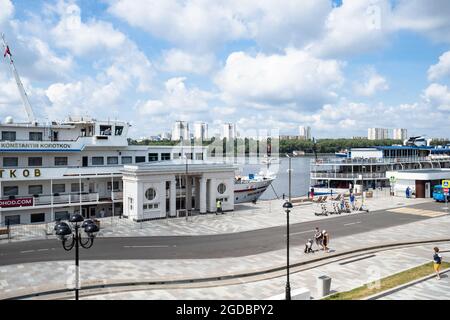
[(250, 188)]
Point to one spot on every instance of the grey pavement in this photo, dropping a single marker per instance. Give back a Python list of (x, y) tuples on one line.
[(246, 217), (14, 278), (431, 289)]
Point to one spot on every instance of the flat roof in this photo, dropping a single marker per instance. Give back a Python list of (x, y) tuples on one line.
[(179, 166)]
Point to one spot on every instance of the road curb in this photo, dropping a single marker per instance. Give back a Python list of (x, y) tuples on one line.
[(404, 286), (103, 284)]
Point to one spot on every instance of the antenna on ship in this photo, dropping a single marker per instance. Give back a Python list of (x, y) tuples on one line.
[(23, 94)]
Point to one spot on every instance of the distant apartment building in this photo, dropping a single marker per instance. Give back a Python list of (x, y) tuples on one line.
[(201, 131), (304, 133), (400, 134), (166, 136), (180, 131), (229, 131), (377, 133)]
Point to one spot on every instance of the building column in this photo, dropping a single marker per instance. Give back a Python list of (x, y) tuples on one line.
[(162, 202), (203, 195), (173, 198), (197, 193), (212, 196), (189, 193)]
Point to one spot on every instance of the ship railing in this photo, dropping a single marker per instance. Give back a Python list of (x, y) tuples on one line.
[(329, 175), (375, 161)]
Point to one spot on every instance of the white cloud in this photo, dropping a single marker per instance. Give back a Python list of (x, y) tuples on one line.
[(82, 38), (203, 24), (373, 83), (428, 18), (438, 96), (294, 77), (177, 61), (6, 10), (441, 69), (356, 26)]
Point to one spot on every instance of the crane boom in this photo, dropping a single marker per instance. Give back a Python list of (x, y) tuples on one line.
[(23, 94)]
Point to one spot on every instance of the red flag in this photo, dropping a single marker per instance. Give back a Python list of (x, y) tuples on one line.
[(7, 52)]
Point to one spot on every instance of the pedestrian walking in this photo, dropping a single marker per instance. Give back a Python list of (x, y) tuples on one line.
[(325, 240), (318, 238), (312, 193), (437, 259), (219, 207), (352, 200), (408, 192), (102, 213)]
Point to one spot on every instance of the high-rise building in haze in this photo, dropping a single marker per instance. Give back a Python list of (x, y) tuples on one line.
[(201, 131), (229, 131), (305, 133), (377, 133), (400, 134), (180, 131)]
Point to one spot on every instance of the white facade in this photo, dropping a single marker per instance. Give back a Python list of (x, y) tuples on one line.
[(157, 191), (400, 134), (377, 133), (229, 131), (180, 131), (408, 178), (366, 153), (201, 131), (304, 132)]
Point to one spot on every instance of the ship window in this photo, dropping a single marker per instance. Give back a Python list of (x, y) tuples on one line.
[(10, 162), (152, 157), (221, 188), (35, 136), (115, 185), (37, 217), (119, 130), (10, 220), (165, 156), (61, 161), (113, 160), (32, 190), (150, 194), (127, 160), (62, 215), (98, 161), (105, 130), (35, 161), (59, 188), (75, 187), (199, 156), (11, 191), (9, 135), (177, 155), (140, 159)]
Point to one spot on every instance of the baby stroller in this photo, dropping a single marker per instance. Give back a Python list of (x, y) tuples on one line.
[(308, 246)]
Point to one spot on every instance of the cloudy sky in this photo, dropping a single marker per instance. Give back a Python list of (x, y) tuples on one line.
[(337, 66)]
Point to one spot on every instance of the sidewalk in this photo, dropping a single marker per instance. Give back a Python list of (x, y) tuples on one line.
[(246, 217), (15, 278)]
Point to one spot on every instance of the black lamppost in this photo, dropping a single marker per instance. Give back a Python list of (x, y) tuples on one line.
[(287, 206), (64, 231)]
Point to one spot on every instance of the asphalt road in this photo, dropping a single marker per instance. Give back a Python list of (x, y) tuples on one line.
[(203, 247)]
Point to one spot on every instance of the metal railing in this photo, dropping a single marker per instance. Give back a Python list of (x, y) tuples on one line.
[(366, 175), (375, 161)]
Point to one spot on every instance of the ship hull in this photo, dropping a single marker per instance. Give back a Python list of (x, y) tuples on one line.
[(250, 191)]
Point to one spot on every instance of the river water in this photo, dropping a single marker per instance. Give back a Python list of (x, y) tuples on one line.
[(300, 177)]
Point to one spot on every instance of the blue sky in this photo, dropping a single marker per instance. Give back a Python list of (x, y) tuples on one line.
[(261, 64)]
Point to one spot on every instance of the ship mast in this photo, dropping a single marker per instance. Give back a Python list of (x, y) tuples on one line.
[(23, 94)]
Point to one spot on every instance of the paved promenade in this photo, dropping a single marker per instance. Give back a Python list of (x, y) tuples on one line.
[(23, 277), (246, 217)]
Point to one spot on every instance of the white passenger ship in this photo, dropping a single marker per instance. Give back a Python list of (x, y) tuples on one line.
[(49, 171), (368, 167)]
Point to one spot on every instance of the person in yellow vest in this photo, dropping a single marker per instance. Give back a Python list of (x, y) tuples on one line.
[(219, 207)]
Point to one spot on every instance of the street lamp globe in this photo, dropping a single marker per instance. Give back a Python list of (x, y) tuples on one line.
[(63, 231), (91, 229), (75, 218), (287, 205)]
